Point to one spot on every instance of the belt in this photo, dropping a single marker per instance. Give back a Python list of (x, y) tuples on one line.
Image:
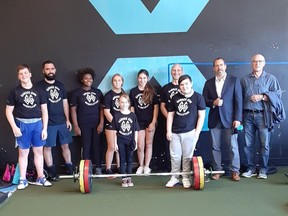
[(253, 111)]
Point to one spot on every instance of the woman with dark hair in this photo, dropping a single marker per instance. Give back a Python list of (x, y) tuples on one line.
[(144, 103), (87, 117)]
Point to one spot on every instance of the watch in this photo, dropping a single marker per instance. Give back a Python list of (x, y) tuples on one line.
[(263, 97)]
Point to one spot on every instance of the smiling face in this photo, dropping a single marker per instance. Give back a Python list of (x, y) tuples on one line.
[(142, 80), (87, 80), (219, 68), (24, 75), (258, 63), (176, 72), (124, 102), (117, 82), (185, 86)]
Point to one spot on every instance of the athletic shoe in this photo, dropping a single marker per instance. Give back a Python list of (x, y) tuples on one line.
[(98, 171), (110, 172), (249, 174), (124, 183), (129, 182), (172, 182), (22, 184), (147, 170), (140, 170), (43, 182), (186, 183), (262, 176), (69, 169)]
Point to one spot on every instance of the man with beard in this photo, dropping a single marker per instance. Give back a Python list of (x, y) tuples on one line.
[(59, 125), (223, 96)]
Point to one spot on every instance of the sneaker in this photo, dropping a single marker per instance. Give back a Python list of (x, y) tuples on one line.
[(22, 184), (69, 169), (124, 182), (43, 182), (172, 182), (140, 170), (249, 174), (110, 172), (186, 183), (147, 170), (98, 171), (262, 176), (129, 182)]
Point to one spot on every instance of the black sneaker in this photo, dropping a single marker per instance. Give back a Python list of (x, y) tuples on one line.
[(52, 174), (110, 172), (70, 169)]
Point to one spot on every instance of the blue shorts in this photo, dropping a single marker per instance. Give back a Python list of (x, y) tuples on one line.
[(31, 135), (58, 133)]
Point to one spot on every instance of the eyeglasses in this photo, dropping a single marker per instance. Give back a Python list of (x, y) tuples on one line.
[(258, 61)]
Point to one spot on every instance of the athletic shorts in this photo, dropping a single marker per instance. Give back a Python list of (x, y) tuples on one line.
[(108, 126), (144, 125), (31, 134), (58, 133)]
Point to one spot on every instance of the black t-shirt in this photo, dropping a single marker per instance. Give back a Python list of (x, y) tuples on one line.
[(88, 105), (168, 91), (144, 112), (125, 125), (26, 102), (186, 111), (55, 94), (111, 101)]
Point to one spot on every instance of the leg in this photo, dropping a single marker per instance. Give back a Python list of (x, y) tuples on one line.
[(176, 154), (148, 146), (110, 137), (232, 142), (264, 138), (140, 147), (96, 148), (216, 146), (86, 142), (47, 152), (189, 141), (38, 161), (249, 149), (23, 162)]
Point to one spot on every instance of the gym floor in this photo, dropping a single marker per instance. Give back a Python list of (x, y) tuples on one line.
[(150, 197)]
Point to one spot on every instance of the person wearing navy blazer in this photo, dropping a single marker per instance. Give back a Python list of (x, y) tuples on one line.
[(223, 95)]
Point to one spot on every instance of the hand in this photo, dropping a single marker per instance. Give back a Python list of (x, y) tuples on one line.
[(169, 136), (77, 130), (116, 147), (44, 134), (151, 127), (17, 132), (256, 98), (69, 125), (218, 102), (100, 128)]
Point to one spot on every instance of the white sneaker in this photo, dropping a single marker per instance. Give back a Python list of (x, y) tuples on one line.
[(124, 183), (172, 182), (147, 170), (129, 182), (140, 170), (186, 182), (22, 184)]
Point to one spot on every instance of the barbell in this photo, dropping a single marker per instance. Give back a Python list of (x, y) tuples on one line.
[(85, 175)]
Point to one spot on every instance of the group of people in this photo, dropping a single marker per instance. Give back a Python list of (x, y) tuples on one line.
[(39, 116)]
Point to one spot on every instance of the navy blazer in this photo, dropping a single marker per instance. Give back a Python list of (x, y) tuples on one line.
[(231, 110)]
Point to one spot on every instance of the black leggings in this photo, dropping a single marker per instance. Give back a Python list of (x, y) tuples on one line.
[(90, 141), (126, 154)]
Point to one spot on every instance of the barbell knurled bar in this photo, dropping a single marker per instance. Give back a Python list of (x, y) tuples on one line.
[(85, 174)]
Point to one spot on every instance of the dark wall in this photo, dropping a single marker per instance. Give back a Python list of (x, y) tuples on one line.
[(74, 35)]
